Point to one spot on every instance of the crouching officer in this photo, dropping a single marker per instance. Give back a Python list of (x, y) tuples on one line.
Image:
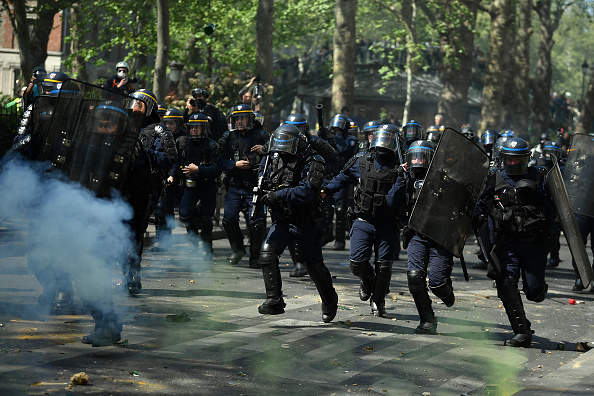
[(375, 228), (198, 155), (518, 202), (294, 178)]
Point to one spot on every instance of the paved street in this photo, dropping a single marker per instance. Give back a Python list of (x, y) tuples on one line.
[(227, 348)]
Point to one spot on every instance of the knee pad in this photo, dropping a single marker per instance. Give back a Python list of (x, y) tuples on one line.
[(360, 268), (442, 291), (417, 281), (268, 254), (537, 297), (384, 267)]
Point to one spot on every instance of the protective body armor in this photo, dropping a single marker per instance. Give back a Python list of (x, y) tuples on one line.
[(374, 185), (203, 152), (147, 137), (287, 175), (521, 211), (244, 178)]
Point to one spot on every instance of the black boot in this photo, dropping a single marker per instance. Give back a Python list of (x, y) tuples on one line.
[(107, 330), (132, 274), (339, 242), (364, 272), (274, 303), (507, 290), (299, 268), (206, 234), (417, 285), (323, 280), (235, 240), (257, 236), (383, 274), (445, 291), (578, 286)]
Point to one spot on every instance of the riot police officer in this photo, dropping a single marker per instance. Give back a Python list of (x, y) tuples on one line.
[(426, 258), (488, 139), (198, 104), (172, 119), (367, 134), (375, 228), (433, 134), (538, 150), (345, 145), (518, 203), (155, 155), (294, 180), (240, 152), (198, 156), (412, 131), (319, 146)]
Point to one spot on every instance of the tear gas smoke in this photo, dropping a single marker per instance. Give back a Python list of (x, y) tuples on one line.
[(73, 235)]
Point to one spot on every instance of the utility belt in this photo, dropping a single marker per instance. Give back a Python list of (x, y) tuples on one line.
[(242, 184)]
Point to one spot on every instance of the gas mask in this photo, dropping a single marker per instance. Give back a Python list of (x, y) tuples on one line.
[(122, 74)]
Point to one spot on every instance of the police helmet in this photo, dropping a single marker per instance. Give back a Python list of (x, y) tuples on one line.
[(198, 126), (507, 133), (242, 117), (544, 137), (433, 134), (161, 109), (385, 136), (498, 145), (258, 120), (468, 132), (419, 154), (412, 131), (489, 137), (39, 73), (299, 121), (110, 117), (285, 139), (515, 155), (53, 82), (145, 96), (371, 126), (122, 65), (200, 91), (552, 151), (172, 119), (340, 122)]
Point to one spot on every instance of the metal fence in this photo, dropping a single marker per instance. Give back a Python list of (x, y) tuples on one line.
[(9, 121)]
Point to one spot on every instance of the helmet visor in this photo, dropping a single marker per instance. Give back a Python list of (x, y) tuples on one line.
[(419, 157), (339, 122), (198, 130), (515, 164), (242, 121), (384, 139), (282, 141)]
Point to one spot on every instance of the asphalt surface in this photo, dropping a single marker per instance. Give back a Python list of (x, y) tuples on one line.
[(227, 348)]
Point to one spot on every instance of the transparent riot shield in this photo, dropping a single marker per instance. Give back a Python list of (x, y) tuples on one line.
[(91, 139), (569, 223), (578, 174), (450, 192)]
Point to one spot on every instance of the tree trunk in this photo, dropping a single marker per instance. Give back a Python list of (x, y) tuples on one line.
[(264, 23), (79, 70), (409, 15), (584, 124), (160, 80), (455, 74), (495, 75), (343, 81), (542, 83), (42, 28), (21, 29), (520, 103)]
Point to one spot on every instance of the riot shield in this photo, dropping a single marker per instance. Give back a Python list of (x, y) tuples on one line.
[(569, 224), (578, 174), (450, 192), (91, 140)]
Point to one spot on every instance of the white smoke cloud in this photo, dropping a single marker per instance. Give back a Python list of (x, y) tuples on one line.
[(72, 234)]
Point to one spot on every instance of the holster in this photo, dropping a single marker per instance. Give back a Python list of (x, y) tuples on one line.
[(407, 234)]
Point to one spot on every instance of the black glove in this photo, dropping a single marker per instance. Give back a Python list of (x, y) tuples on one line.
[(269, 198), (477, 221), (401, 171)]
